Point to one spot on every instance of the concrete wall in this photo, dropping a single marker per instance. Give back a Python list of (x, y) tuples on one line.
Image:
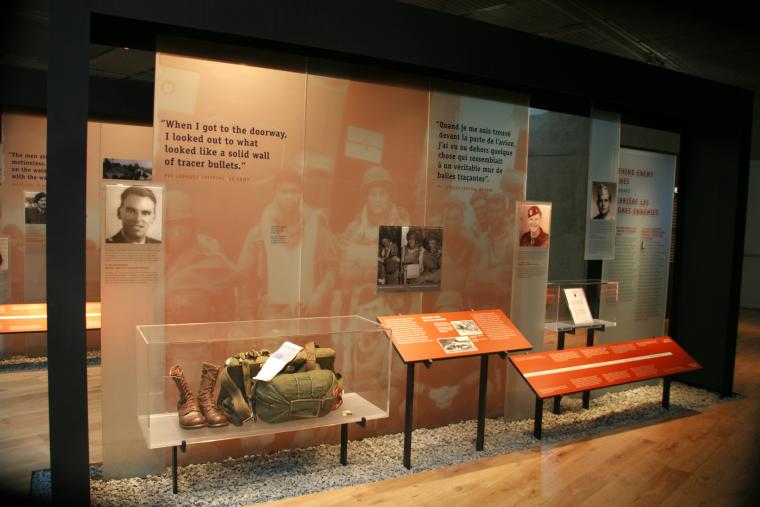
[(557, 172)]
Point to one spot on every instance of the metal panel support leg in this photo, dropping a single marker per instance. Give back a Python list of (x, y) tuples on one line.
[(560, 346), (408, 415), (666, 392), (174, 470), (344, 444), (537, 418), (479, 440), (589, 343)]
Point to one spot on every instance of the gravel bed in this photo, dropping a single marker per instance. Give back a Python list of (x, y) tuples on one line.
[(29, 363), (254, 479)]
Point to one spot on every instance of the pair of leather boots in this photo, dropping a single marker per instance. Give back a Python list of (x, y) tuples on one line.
[(201, 411)]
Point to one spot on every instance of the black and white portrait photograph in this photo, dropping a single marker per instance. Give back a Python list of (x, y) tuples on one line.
[(466, 327), (535, 224), (133, 214), (603, 197), (124, 169), (389, 274), (456, 345), (35, 207)]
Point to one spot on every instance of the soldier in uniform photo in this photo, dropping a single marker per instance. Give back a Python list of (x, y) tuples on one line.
[(288, 260), (137, 213), (603, 202), (36, 214), (535, 236), (411, 256), (359, 241)]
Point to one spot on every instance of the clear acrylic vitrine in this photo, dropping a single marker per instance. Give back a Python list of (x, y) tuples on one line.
[(602, 297), (363, 354)]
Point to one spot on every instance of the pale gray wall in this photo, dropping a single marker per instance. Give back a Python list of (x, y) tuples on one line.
[(557, 172)]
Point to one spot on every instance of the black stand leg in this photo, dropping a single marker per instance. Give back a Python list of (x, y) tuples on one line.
[(344, 444), (174, 470), (589, 343), (560, 346), (538, 417), (409, 412), (479, 440), (666, 392), (183, 448)]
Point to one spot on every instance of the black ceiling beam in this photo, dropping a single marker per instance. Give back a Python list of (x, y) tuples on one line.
[(389, 31), (109, 98)]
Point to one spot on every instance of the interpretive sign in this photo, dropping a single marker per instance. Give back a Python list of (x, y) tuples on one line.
[(432, 336), (570, 371)]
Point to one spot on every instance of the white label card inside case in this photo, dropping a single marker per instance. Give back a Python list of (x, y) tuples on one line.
[(576, 302), (277, 361)]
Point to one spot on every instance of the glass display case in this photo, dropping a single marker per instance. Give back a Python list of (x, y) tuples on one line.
[(362, 358), (564, 305)]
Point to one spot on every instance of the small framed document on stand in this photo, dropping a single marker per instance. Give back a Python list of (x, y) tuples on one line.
[(576, 302)]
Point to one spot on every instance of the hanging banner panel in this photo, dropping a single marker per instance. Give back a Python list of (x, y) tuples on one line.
[(642, 244), (601, 205)]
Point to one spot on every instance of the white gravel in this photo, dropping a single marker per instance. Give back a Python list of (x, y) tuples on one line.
[(253, 479)]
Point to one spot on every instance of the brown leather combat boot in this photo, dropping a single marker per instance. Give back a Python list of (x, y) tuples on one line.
[(214, 416), (188, 409)]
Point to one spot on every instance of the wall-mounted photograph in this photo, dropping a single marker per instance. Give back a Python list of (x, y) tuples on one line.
[(124, 169), (603, 200), (35, 207), (133, 214), (535, 225)]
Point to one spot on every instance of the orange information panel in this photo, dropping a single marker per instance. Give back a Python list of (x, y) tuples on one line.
[(430, 336), (574, 370), (30, 318)]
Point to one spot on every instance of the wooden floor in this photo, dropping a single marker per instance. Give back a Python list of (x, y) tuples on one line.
[(706, 459), (710, 458), (24, 432)]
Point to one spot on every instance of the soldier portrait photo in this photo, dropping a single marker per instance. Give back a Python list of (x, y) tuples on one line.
[(133, 214), (534, 225), (603, 200), (35, 208)]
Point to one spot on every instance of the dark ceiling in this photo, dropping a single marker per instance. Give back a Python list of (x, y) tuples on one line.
[(720, 44)]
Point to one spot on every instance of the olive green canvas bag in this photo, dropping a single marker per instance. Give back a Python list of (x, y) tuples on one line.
[(306, 387)]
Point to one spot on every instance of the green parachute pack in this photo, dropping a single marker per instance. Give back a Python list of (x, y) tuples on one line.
[(306, 387)]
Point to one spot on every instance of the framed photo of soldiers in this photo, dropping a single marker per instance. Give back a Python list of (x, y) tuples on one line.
[(409, 258)]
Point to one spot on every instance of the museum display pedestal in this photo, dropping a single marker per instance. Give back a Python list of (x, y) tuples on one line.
[(574, 305), (362, 358), (425, 338), (551, 374)]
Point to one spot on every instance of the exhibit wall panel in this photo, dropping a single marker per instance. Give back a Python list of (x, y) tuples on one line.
[(24, 177), (278, 179), (643, 241), (476, 171)]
